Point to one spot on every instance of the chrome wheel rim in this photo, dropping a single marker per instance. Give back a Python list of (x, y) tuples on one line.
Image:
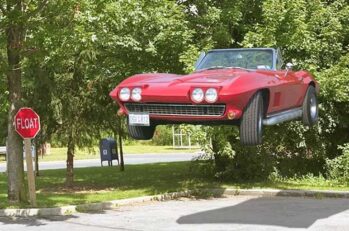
[(313, 107), (260, 123), (260, 118)]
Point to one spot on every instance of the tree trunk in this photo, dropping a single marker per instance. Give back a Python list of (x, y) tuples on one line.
[(16, 186), (70, 162), (220, 161), (119, 134), (122, 166), (37, 147)]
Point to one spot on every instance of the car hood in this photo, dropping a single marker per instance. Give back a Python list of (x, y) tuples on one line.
[(176, 87), (202, 77)]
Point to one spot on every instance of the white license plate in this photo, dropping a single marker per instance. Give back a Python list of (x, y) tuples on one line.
[(140, 119)]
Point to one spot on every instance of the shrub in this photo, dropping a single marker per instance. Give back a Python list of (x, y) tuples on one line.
[(162, 135), (338, 168)]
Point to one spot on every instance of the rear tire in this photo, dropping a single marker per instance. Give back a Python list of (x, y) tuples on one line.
[(310, 107), (141, 132), (251, 124)]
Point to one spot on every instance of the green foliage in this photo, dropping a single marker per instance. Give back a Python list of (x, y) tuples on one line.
[(311, 33), (335, 81), (75, 52), (226, 159), (335, 105), (99, 184), (297, 152), (189, 57), (83, 49), (314, 36), (338, 168), (305, 181), (163, 135)]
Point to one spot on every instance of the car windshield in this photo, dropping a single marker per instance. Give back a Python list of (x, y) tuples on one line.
[(239, 58)]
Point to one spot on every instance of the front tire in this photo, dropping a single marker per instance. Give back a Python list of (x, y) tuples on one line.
[(141, 132), (310, 107), (251, 124)]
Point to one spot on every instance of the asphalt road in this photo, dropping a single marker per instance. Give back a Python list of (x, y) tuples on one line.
[(233, 213), (128, 159)]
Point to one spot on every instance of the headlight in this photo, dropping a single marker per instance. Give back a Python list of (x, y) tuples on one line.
[(211, 95), (136, 94), (197, 95), (124, 94)]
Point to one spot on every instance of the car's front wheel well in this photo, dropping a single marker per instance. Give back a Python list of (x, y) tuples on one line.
[(312, 83), (266, 95)]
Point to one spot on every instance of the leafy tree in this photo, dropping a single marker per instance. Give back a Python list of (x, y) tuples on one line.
[(314, 36), (63, 57), (218, 24), (15, 17), (335, 100), (84, 49)]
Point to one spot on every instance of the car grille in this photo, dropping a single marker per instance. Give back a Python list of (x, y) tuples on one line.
[(176, 109)]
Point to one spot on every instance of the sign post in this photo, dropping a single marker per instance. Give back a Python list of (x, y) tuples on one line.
[(27, 124), (30, 171)]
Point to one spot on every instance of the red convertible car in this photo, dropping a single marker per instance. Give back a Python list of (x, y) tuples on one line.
[(243, 87)]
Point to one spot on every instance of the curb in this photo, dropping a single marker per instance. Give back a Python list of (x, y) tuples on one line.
[(71, 209), (280, 192)]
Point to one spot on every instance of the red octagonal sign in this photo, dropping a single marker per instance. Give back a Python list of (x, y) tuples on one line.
[(27, 123)]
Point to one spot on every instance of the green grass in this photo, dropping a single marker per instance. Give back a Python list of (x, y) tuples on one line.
[(289, 184), (108, 183), (61, 153)]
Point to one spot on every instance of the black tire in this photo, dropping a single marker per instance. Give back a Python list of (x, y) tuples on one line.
[(310, 107), (251, 124), (141, 132)]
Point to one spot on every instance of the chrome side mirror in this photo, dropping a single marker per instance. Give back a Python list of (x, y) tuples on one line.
[(289, 66)]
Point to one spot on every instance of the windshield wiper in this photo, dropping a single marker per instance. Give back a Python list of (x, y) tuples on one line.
[(223, 67), (215, 67), (241, 68)]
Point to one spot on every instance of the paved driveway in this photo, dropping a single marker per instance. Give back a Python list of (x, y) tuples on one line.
[(233, 213), (128, 159)]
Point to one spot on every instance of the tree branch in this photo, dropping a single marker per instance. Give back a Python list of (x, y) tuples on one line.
[(2, 9), (40, 7)]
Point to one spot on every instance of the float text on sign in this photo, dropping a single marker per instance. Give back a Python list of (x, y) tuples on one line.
[(27, 123)]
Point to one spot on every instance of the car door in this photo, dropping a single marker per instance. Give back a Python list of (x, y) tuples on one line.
[(286, 92), (293, 89)]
